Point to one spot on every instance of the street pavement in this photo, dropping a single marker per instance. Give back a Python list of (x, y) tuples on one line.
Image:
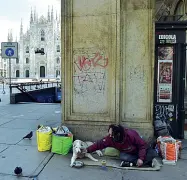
[(16, 120)]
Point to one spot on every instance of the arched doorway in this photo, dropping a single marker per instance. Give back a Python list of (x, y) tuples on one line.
[(57, 73), (42, 71), (17, 73), (27, 73)]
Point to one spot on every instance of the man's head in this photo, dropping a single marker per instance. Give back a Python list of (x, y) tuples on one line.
[(116, 132)]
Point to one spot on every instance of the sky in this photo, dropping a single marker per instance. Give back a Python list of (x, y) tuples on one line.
[(12, 11)]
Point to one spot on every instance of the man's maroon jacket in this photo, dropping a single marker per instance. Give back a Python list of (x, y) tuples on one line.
[(132, 144)]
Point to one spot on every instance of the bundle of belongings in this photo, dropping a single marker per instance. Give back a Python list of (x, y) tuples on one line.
[(161, 128), (169, 149), (57, 140)]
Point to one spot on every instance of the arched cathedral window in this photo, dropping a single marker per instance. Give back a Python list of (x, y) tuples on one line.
[(17, 73), (58, 60), (58, 48), (57, 73), (27, 60), (42, 35), (27, 73), (27, 49), (42, 49), (179, 10), (17, 61)]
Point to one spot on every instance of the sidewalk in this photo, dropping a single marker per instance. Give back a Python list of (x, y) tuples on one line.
[(18, 120)]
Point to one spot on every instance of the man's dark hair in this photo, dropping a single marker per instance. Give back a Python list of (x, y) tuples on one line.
[(117, 132)]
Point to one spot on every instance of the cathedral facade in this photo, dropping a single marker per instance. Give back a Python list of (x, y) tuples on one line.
[(43, 35)]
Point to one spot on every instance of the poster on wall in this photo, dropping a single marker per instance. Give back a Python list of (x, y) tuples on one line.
[(165, 74), (165, 93), (165, 53)]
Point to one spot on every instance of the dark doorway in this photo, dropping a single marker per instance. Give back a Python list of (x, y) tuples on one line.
[(42, 71), (57, 73), (17, 73), (27, 73)]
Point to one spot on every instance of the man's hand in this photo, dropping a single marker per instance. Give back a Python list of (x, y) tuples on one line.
[(139, 163)]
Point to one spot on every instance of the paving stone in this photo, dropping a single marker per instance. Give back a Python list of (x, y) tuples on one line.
[(59, 165), (31, 116), (23, 124), (29, 124), (11, 136), (3, 147), (27, 142), (26, 157), (4, 120), (10, 177)]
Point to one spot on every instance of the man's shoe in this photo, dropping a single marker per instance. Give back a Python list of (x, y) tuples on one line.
[(126, 164), (152, 163)]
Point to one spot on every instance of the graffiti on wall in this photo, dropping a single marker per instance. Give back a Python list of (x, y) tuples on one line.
[(84, 63), (137, 72), (90, 81), (90, 74), (164, 115)]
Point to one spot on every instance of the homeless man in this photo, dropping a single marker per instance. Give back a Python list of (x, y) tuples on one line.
[(132, 147)]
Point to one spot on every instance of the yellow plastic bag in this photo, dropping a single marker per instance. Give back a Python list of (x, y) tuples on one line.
[(44, 138)]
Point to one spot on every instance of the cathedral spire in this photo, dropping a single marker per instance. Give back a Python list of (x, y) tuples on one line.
[(21, 29), (56, 16), (10, 36), (35, 18), (48, 15), (58, 29), (31, 17), (52, 13)]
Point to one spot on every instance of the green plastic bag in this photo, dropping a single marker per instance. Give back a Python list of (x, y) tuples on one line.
[(109, 151), (61, 144)]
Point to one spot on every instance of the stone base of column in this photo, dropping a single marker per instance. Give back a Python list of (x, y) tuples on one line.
[(96, 132)]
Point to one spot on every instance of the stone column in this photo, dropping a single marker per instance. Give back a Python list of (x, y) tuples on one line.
[(137, 50), (107, 65)]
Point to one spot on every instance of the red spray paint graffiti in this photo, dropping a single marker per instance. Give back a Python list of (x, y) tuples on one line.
[(85, 63)]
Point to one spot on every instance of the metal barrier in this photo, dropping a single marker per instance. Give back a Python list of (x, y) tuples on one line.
[(34, 91)]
